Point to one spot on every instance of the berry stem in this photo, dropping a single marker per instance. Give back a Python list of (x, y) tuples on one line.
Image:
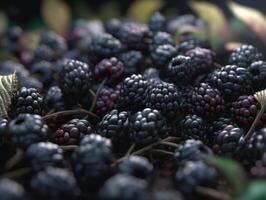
[(212, 193), (14, 159), (68, 147), (171, 144), (131, 148), (97, 94), (16, 173), (162, 152)]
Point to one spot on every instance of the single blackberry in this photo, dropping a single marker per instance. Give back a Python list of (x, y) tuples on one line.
[(27, 129), (54, 99), (202, 58), (231, 80), (110, 69), (123, 187), (112, 26), (53, 183), (193, 127), (258, 72), (228, 141), (136, 166), (11, 190), (148, 126), (206, 101), (244, 56), (161, 38), (97, 142), (43, 71), (114, 125), (134, 35), (132, 61), (44, 154), (162, 54), (132, 92), (189, 44), (91, 165), (26, 100), (191, 150), (104, 45), (14, 33), (157, 22), (71, 132), (165, 98), (245, 110), (42, 53), (194, 174)]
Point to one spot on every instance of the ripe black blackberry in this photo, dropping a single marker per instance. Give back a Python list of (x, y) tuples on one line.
[(191, 43), (27, 129), (110, 69), (114, 125), (112, 26), (244, 56), (43, 71), (54, 99), (97, 142), (123, 187), (245, 110), (194, 174), (165, 98), (228, 141), (132, 61), (191, 150), (206, 101), (71, 132), (258, 72), (14, 33), (104, 45), (162, 54), (148, 126), (161, 38), (136, 166), (193, 127), (44, 154), (26, 100), (53, 183), (231, 80), (132, 92), (157, 22), (11, 190), (42, 53)]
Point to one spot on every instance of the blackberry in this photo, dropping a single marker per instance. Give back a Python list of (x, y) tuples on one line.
[(44, 154), (259, 170), (43, 71), (42, 53), (228, 141), (191, 150), (91, 166), (132, 61), (54, 99), (14, 33), (194, 174), (189, 44), (123, 188), (104, 45), (53, 183), (244, 56), (245, 110), (206, 101), (11, 190), (161, 38), (202, 58), (258, 72), (165, 98), (26, 129), (97, 142), (162, 54), (136, 166), (193, 127), (114, 125), (110, 69), (157, 22), (133, 92), (71, 132), (112, 26), (231, 80), (148, 126), (26, 100)]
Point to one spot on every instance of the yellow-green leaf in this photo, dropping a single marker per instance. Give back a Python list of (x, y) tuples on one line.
[(141, 10), (3, 22), (56, 14), (254, 19)]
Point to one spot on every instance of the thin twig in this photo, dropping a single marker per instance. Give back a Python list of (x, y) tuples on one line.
[(171, 144), (212, 193), (131, 148), (14, 159), (97, 94), (162, 152), (69, 147), (16, 173)]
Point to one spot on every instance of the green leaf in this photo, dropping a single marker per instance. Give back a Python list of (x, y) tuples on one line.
[(8, 85), (141, 10), (255, 191), (3, 22), (251, 17), (57, 16), (218, 27), (231, 171)]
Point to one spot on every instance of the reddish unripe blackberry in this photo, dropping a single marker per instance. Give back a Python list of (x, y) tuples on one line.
[(157, 22)]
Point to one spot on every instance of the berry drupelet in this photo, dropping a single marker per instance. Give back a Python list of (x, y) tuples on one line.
[(26, 129), (54, 99), (258, 71), (71, 132), (148, 126), (11, 190), (157, 22), (97, 142), (244, 56)]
